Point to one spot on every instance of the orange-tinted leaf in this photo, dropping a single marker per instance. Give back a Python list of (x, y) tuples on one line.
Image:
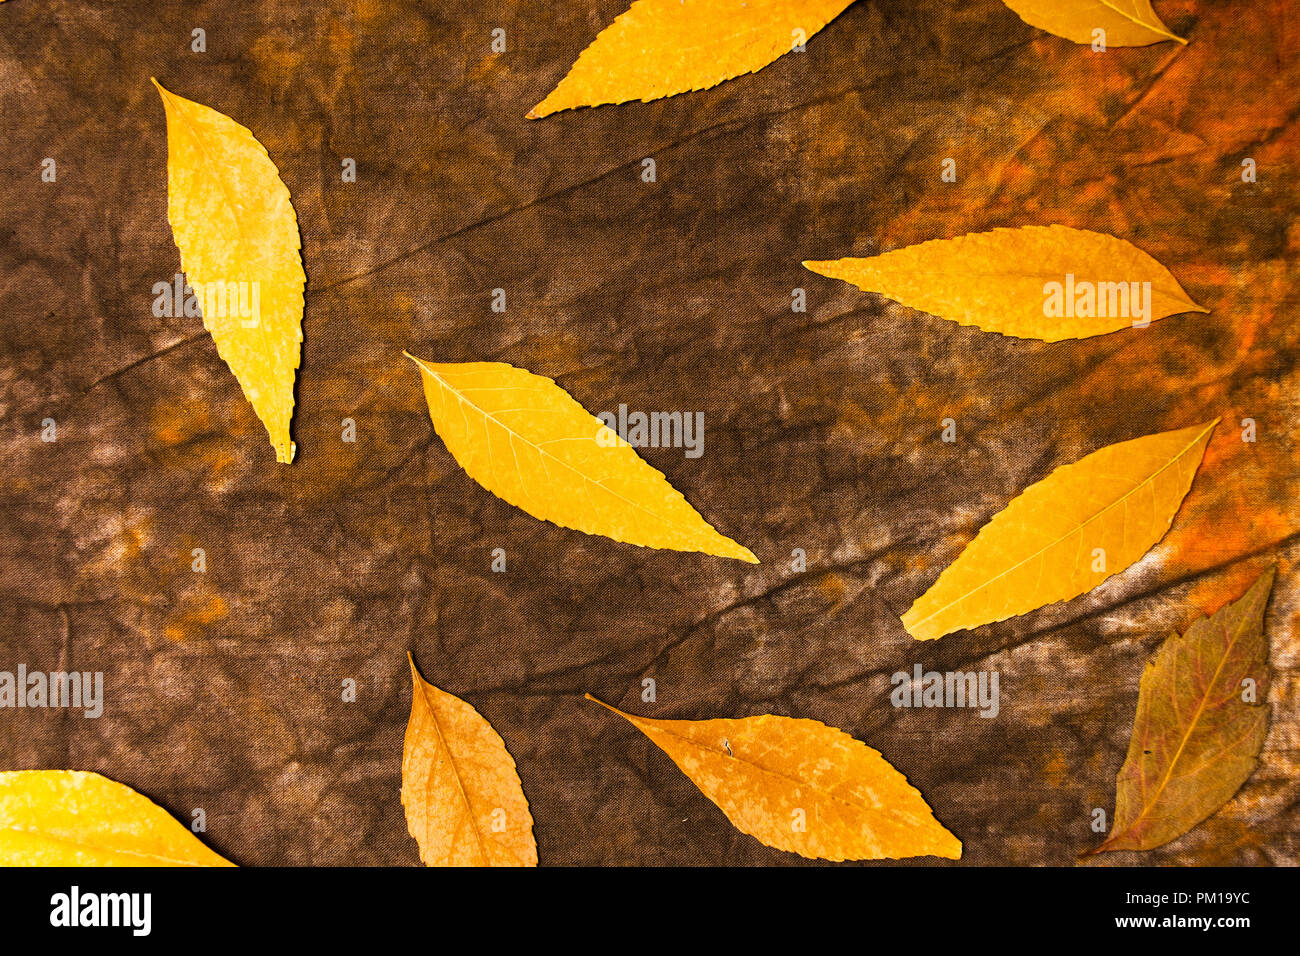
[(464, 803), (801, 786)]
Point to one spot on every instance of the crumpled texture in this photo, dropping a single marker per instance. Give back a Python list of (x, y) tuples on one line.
[(224, 689)]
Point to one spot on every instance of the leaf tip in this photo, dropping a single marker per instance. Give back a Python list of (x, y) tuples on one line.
[(1264, 582), (724, 547), (544, 108), (416, 677), (914, 625), (1103, 847), (165, 93)]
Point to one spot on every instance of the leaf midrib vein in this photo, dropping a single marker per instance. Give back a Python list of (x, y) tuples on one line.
[(455, 772), (1158, 30), (100, 848), (888, 811), (1075, 530)]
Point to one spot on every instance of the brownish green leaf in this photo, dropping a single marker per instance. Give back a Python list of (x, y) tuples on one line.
[(1201, 721)]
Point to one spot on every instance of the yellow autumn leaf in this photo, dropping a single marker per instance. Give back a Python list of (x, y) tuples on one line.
[(464, 803), (1066, 534), (663, 47), (1034, 282), (800, 786), (1125, 22), (238, 237), (77, 818), (527, 441)]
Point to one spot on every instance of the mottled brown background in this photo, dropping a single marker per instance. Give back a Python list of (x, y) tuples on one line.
[(822, 429)]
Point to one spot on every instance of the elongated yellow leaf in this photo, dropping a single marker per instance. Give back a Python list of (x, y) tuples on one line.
[(664, 47), (238, 238), (527, 441), (464, 803), (801, 786), (1201, 721), (1034, 282), (77, 818), (1125, 22), (1066, 534)]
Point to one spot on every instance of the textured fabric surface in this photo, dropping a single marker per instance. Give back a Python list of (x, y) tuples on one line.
[(822, 429)]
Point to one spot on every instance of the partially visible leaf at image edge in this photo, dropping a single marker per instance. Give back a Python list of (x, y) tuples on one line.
[(663, 47), (79, 818), (461, 793), (1124, 22), (1196, 737)]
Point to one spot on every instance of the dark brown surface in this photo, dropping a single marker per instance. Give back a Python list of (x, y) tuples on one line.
[(822, 429)]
